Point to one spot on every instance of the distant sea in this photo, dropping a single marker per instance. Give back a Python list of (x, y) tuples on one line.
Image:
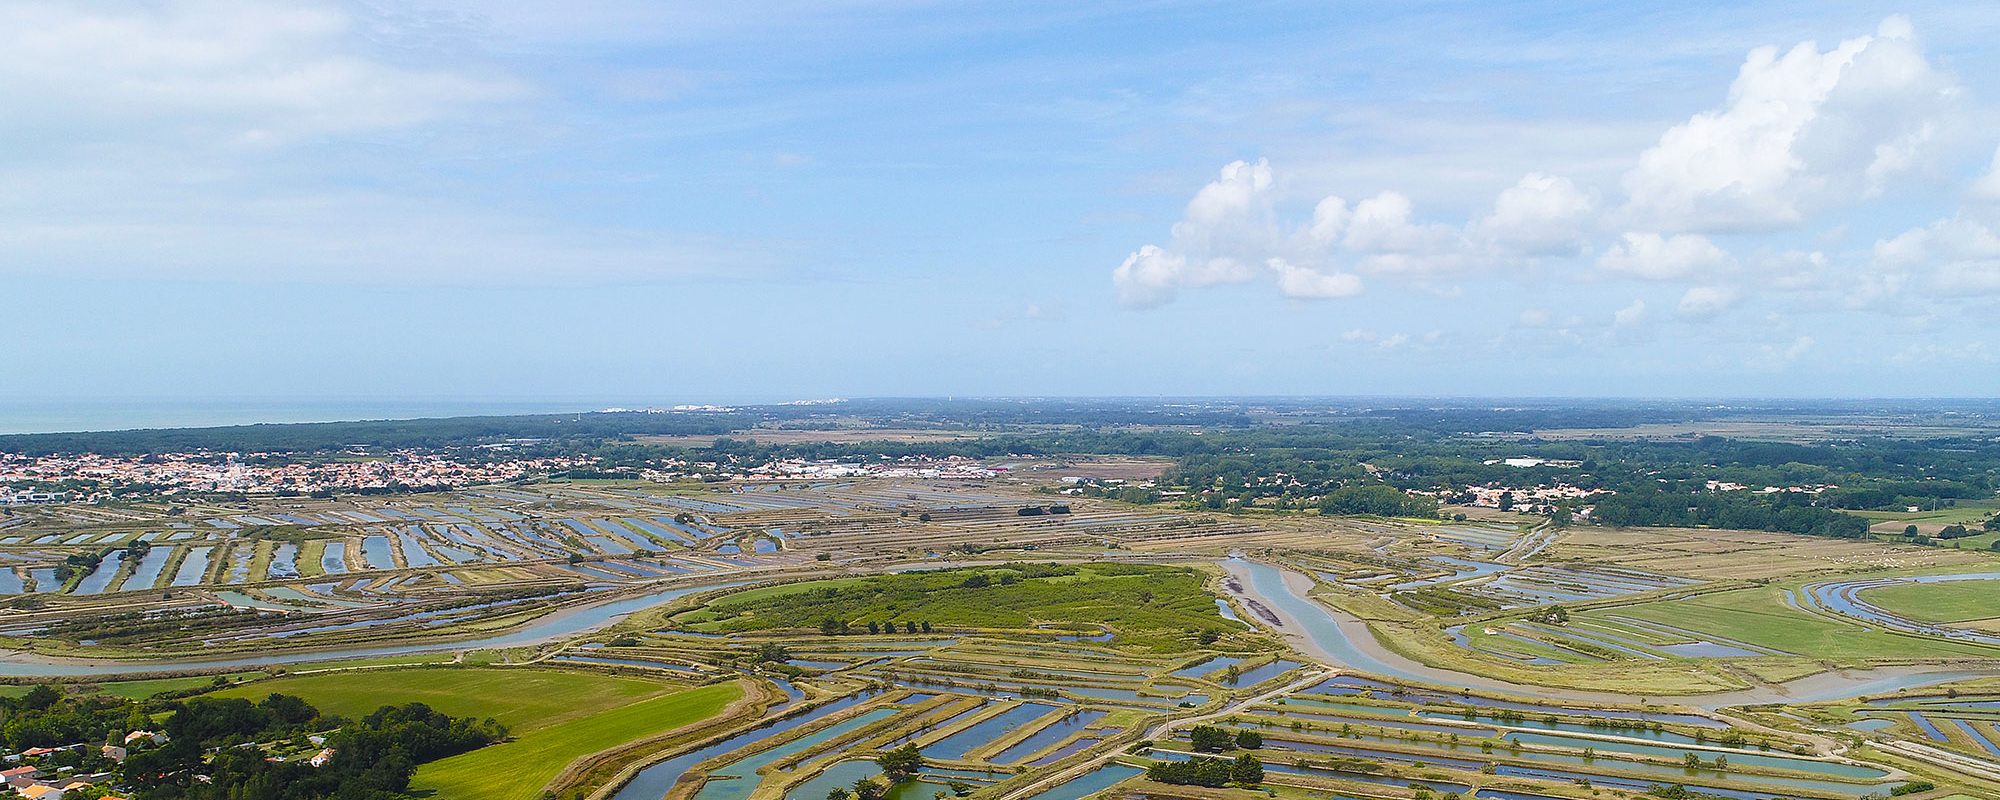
[(55, 416)]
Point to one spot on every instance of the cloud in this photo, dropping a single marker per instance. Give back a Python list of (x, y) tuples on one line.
[(1959, 255), (1802, 130), (1630, 316), (1535, 318), (1936, 353), (1329, 219), (1150, 276), (216, 71), (1705, 302), (1229, 223), (1542, 215), (1392, 341), (1233, 221), (1655, 257), (1773, 356), (1988, 188), (1381, 224), (1721, 200), (1307, 284), (1794, 269)]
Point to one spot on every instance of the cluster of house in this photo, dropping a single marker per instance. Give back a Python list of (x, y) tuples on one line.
[(27, 778), (1523, 498), (35, 477), (1810, 488), (27, 782)]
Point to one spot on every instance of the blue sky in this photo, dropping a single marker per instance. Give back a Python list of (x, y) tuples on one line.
[(642, 201)]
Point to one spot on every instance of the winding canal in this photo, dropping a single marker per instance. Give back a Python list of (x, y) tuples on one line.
[(1345, 641)]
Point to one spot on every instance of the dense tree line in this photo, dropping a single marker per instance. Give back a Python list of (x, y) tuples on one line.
[(1378, 499), (1244, 770), (1899, 494), (1789, 512)]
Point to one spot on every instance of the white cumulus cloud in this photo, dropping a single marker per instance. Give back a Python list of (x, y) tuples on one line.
[(1956, 255), (1988, 188), (1150, 276), (1655, 257), (1232, 222), (1309, 284), (1704, 302), (1228, 224), (1540, 215), (1802, 129), (1631, 315)]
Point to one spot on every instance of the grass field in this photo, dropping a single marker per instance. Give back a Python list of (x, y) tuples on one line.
[(1760, 616), (1971, 513), (1161, 608), (553, 716), (1957, 601)]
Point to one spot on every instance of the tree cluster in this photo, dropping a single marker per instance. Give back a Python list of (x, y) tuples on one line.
[(216, 749), (373, 758), (1244, 770), (1783, 511)]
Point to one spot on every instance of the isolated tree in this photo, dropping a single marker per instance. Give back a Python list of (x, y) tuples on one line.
[(901, 762), (1909, 530), (773, 652), (1249, 740)]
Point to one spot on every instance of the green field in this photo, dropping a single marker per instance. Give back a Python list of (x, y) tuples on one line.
[(1971, 513), (1955, 601), (1760, 616), (553, 716), (1161, 608)]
